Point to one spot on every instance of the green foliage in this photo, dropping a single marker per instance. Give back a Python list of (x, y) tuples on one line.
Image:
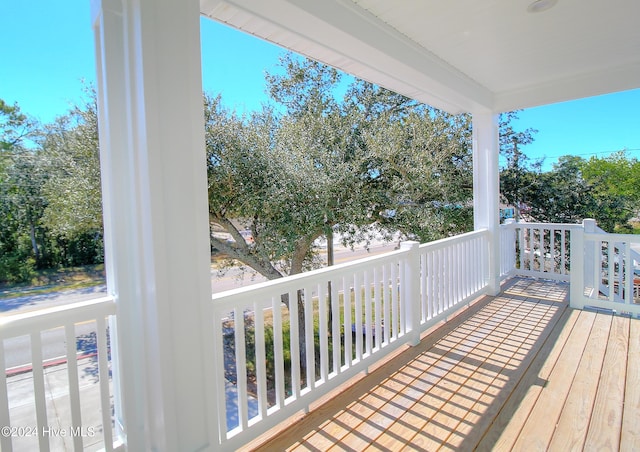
[(423, 171), (374, 162), (614, 180), (49, 192), (517, 178), (15, 126), (616, 175), (575, 189), (17, 265), (21, 202), (73, 189)]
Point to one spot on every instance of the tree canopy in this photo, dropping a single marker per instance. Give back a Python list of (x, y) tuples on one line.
[(373, 162), (50, 201), (364, 163), (575, 189)]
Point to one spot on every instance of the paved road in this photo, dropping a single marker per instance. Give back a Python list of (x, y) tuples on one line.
[(18, 350), (235, 277), (220, 281), (33, 302)]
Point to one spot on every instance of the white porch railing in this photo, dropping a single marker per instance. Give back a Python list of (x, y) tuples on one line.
[(452, 271), (603, 269), (81, 414), (283, 344), (538, 250), (608, 274)]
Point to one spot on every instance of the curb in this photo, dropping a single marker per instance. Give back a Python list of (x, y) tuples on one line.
[(19, 370)]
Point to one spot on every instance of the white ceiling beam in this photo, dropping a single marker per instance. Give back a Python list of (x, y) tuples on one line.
[(578, 86), (569, 60), (340, 34)]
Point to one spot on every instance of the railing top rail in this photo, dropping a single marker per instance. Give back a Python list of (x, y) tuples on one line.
[(283, 285), (42, 319), (544, 225), (455, 239), (279, 286), (632, 238)]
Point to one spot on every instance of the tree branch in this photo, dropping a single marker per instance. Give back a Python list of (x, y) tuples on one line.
[(251, 259)]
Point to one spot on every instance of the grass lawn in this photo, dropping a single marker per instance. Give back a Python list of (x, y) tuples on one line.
[(47, 281)]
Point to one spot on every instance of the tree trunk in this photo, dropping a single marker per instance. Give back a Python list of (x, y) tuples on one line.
[(34, 243), (297, 260), (254, 261), (330, 262)]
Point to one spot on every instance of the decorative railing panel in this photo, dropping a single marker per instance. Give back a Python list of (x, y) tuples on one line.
[(603, 269), (55, 390), (283, 344), (453, 271), (542, 250), (607, 274)]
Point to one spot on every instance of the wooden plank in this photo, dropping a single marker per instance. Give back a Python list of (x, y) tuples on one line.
[(606, 420), (538, 429), (500, 389), (388, 402), (506, 427), (501, 360), (428, 386), (630, 437), (441, 391), (453, 398), (449, 401), (432, 387), (571, 430), (331, 422)]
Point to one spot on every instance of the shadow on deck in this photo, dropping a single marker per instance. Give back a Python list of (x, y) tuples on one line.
[(517, 371)]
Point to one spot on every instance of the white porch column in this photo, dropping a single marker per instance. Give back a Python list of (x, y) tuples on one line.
[(486, 188), (156, 218)]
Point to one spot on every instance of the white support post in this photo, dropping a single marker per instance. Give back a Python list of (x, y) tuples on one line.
[(157, 251), (590, 257), (508, 248), (577, 279), (411, 290), (486, 189)]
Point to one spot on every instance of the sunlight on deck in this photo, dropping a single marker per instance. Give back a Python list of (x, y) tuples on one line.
[(505, 374)]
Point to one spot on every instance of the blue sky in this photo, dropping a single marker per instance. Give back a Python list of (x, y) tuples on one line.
[(47, 54)]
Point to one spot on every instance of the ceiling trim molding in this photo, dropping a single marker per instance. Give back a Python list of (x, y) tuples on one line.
[(347, 36), (337, 31), (611, 80)]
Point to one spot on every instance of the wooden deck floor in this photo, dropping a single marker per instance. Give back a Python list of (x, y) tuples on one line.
[(520, 371)]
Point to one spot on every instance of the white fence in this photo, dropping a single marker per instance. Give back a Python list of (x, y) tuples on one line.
[(279, 346), (452, 271), (283, 344), (539, 250), (603, 269), (62, 402), (606, 273)]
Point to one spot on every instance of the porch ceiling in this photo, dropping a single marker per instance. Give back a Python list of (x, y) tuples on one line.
[(461, 55)]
